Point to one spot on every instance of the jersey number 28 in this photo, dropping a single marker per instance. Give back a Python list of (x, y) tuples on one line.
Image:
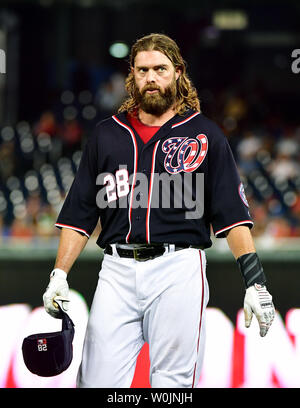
[(117, 186)]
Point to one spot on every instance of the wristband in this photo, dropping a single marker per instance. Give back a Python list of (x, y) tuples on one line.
[(59, 273), (251, 269)]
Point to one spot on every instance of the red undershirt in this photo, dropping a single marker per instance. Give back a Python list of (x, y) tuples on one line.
[(144, 131)]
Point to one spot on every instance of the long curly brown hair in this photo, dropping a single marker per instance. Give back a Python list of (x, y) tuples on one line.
[(186, 96)]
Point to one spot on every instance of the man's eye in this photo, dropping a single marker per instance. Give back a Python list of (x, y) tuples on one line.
[(161, 69)]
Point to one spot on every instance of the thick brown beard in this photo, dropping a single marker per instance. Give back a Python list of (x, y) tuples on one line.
[(158, 103)]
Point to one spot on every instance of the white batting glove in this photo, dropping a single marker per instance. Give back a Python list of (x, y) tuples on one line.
[(58, 289), (259, 301)]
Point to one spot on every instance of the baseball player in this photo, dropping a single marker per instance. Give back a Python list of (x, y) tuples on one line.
[(152, 284)]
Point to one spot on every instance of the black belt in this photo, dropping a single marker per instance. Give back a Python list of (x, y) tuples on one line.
[(144, 253)]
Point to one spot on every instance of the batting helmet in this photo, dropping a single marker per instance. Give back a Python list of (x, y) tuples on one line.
[(49, 354)]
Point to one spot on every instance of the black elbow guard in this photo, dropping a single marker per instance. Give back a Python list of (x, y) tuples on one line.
[(251, 269)]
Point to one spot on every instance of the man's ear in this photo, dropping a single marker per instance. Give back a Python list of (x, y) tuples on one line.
[(178, 72)]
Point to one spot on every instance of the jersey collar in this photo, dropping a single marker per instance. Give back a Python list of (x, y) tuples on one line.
[(174, 122)]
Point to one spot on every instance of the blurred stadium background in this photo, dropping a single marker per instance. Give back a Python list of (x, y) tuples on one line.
[(66, 62)]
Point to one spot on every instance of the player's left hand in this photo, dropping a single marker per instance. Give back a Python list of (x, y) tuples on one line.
[(57, 292), (259, 301)]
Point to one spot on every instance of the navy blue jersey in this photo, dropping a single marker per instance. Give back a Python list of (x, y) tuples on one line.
[(117, 182)]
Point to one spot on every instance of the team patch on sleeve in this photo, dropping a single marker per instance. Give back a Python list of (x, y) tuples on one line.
[(243, 194)]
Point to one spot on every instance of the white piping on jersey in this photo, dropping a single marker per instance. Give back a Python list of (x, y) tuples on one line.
[(233, 225), (185, 120), (150, 192), (134, 173), (73, 228)]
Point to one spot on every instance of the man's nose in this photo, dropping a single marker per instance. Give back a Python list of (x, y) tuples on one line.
[(150, 76)]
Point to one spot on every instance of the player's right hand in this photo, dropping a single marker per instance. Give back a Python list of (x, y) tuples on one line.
[(259, 301), (57, 289)]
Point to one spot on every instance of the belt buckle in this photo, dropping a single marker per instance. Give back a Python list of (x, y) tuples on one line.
[(137, 257)]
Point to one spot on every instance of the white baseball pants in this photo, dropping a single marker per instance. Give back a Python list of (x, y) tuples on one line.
[(161, 301)]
